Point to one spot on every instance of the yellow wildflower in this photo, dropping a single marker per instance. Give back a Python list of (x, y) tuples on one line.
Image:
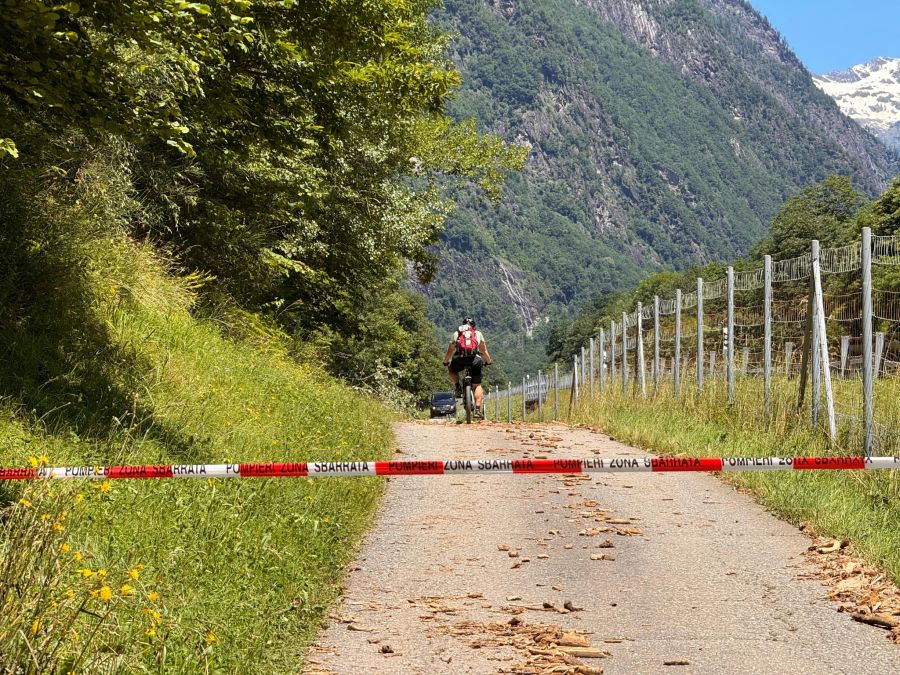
[(78, 557), (126, 590), (134, 574), (211, 638), (106, 593), (85, 572), (64, 548), (70, 594), (36, 626), (43, 459), (79, 498), (104, 486), (153, 596), (58, 527), (153, 614), (101, 573), (151, 632), (140, 566), (45, 517), (25, 503), (33, 461)]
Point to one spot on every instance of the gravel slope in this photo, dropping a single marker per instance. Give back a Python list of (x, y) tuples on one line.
[(701, 580)]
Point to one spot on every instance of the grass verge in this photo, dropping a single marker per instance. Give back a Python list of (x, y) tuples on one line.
[(861, 506), (198, 575)]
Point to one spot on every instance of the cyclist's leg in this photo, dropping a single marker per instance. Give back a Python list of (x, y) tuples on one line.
[(475, 371), (453, 373)]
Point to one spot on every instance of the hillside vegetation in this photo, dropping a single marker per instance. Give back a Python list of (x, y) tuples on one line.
[(664, 134), (303, 171), (211, 565)]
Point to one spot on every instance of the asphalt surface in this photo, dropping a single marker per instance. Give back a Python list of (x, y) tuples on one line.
[(702, 579)]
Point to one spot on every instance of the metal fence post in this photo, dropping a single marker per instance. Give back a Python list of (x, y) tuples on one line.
[(700, 333), (767, 336), (602, 361), (729, 342), (612, 353), (639, 361), (788, 358), (624, 353), (676, 364), (868, 385), (814, 370), (540, 392), (879, 353), (497, 405), (575, 378), (509, 402), (555, 391), (523, 398), (583, 380), (656, 373), (845, 354), (591, 366), (823, 344)]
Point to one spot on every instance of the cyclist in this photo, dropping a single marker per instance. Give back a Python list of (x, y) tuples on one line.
[(463, 354)]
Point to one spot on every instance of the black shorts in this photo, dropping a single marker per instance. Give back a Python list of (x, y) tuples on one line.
[(473, 363)]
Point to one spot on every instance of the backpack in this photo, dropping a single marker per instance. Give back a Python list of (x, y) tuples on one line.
[(466, 341)]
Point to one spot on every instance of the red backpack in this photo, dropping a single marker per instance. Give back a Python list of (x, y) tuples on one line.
[(466, 341)]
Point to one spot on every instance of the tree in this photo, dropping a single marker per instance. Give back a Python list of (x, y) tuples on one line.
[(825, 211), (297, 153), (886, 211)]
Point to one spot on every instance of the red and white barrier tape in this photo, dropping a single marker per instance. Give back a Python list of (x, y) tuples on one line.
[(455, 467)]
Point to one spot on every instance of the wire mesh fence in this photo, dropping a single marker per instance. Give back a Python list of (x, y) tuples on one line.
[(815, 329)]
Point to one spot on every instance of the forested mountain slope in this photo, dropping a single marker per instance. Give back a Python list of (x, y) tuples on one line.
[(663, 133)]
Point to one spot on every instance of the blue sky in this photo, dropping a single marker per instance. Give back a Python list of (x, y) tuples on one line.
[(836, 34)]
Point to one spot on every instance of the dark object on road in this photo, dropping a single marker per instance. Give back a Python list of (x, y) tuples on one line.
[(443, 403)]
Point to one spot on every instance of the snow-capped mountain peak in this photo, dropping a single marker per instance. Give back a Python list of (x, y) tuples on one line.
[(870, 94)]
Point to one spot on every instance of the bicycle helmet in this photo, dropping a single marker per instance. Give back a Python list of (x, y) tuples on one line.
[(469, 320)]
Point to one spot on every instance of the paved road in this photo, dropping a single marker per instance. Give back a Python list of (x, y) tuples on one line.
[(701, 579)]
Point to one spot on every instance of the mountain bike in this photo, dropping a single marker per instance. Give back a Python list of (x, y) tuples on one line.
[(468, 394)]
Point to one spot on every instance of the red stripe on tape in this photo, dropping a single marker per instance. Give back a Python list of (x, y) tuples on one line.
[(686, 464), (546, 466), (408, 468), (18, 474), (147, 471), (274, 469), (812, 463)]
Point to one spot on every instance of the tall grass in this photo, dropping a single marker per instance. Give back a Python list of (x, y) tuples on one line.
[(862, 506), (241, 571)]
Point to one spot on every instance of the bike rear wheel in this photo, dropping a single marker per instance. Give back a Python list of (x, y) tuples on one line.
[(468, 402)]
